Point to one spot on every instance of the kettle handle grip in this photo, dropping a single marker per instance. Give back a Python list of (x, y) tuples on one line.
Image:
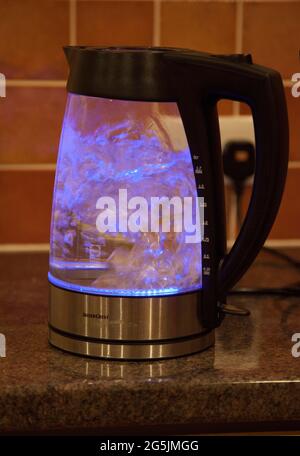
[(262, 90), (211, 78)]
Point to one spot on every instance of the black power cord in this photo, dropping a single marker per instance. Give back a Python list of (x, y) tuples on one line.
[(283, 256), (239, 165), (283, 291)]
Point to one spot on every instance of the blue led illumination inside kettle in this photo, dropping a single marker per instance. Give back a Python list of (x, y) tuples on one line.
[(116, 292), (113, 146)]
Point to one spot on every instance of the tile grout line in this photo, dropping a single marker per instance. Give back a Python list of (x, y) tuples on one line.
[(232, 216), (62, 83), (52, 167), (45, 247), (35, 83), (23, 248), (28, 167), (269, 243), (156, 33), (232, 219), (72, 22), (294, 164), (156, 22), (238, 41), (239, 21)]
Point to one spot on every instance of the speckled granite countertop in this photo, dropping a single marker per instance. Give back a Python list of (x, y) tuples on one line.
[(249, 376)]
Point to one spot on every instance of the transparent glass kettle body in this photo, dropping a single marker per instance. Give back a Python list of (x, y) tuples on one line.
[(116, 228)]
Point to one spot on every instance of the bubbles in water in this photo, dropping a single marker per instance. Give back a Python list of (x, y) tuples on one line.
[(106, 146)]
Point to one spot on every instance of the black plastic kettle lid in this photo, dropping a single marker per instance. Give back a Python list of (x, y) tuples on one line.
[(130, 73)]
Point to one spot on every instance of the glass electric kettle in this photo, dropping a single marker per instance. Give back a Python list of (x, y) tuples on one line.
[(138, 266)]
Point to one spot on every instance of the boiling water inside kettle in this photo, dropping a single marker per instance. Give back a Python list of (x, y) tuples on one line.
[(140, 157)]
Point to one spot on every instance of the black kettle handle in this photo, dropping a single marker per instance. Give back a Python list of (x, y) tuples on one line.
[(212, 78)]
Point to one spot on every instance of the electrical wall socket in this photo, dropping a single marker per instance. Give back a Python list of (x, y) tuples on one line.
[(232, 128), (236, 128)]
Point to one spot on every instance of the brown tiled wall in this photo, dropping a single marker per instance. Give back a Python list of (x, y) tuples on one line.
[(30, 124), (32, 33)]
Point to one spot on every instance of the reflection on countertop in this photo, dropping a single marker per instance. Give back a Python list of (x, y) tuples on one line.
[(249, 376)]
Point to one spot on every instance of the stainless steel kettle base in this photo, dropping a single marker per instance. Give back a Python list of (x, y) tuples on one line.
[(127, 327), (131, 351)]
